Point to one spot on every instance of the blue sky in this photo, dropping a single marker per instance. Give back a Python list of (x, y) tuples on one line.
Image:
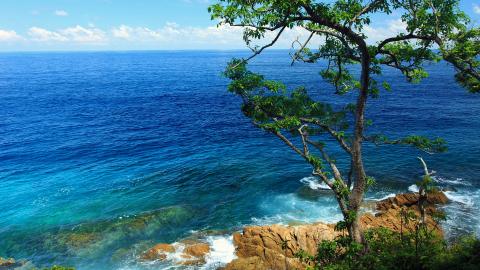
[(32, 25)]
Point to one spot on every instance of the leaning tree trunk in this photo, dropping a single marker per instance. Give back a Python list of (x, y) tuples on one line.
[(356, 196)]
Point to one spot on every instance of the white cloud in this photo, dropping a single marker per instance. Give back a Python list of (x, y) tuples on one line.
[(84, 35), (173, 36), (61, 13), (73, 34), (476, 9), (393, 28), (41, 34), (9, 35)]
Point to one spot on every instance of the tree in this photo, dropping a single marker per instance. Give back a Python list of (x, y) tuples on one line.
[(434, 30)]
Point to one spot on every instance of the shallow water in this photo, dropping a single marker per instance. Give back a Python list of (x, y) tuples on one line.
[(92, 144)]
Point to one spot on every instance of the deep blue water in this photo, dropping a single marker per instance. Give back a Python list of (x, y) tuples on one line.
[(90, 142)]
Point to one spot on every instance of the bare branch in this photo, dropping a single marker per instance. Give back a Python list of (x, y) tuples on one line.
[(304, 139), (297, 54)]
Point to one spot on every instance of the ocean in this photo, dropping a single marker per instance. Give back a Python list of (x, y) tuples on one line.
[(104, 154)]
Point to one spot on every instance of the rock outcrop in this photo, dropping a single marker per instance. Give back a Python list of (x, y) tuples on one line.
[(411, 200), (275, 246), (388, 215)]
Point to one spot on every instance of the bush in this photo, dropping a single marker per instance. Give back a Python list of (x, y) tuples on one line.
[(421, 249)]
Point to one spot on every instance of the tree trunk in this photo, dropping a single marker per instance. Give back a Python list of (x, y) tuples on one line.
[(356, 196), (356, 232)]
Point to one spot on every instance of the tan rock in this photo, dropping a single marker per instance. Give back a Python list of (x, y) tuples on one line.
[(276, 245), (158, 252), (389, 216), (197, 250), (194, 254), (250, 263)]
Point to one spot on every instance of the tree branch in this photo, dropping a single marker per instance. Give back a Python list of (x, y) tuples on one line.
[(332, 132)]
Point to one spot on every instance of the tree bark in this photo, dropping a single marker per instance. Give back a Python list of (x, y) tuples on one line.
[(356, 196)]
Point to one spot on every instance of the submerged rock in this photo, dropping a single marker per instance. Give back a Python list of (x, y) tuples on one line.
[(4, 263), (12, 264), (89, 239)]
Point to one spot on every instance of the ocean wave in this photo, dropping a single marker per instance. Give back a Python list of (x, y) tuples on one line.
[(456, 181), (313, 183), (465, 198), (290, 209)]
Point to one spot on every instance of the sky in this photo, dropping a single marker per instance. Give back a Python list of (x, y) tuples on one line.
[(77, 25)]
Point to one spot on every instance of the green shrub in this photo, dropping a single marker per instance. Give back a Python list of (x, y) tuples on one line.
[(56, 267), (422, 249)]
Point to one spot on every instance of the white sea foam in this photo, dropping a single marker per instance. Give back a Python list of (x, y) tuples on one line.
[(413, 188), (460, 197), (222, 251), (314, 183), (290, 208), (456, 181), (391, 195)]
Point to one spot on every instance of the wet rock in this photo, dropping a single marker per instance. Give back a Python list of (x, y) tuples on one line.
[(158, 252), (197, 250), (192, 252)]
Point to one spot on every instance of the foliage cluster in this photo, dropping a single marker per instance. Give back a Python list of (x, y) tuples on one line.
[(422, 249)]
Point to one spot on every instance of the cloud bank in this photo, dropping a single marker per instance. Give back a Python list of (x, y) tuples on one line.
[(170, 36)]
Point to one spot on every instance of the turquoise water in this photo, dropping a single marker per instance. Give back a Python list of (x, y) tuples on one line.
[(104, 154)]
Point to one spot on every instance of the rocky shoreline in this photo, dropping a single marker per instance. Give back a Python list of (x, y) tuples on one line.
[(271, 246), (275, 246)]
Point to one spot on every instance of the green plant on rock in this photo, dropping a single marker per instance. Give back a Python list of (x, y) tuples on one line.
[(390, 250), (433, 30), (57, 267)]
